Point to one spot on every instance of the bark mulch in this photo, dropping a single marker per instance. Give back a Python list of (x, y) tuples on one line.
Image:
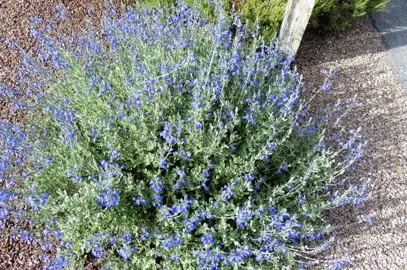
[(15, 16)]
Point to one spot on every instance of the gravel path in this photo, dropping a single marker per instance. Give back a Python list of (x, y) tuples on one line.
[(392, 25), (362, 65)]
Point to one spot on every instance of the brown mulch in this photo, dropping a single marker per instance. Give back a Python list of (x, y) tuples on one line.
[(15, 16)]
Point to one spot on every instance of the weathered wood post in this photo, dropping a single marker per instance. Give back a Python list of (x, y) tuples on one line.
[(296, 17)]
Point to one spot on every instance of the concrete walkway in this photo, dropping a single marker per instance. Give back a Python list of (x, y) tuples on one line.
[(392, 25)]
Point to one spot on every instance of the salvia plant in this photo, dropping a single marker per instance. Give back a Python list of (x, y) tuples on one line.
[(158, 140)]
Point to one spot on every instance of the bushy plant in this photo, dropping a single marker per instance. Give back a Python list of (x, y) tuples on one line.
[(327, 14), (268, 14), (164, 143), (337, 15)]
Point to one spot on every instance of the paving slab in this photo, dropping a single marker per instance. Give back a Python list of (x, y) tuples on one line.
[(392, 25)]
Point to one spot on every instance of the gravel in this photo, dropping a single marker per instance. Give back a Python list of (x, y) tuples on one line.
[(360, 60)]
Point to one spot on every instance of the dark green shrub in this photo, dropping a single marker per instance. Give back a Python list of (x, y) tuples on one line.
[(328, 14), (336, 15), (269, 14)]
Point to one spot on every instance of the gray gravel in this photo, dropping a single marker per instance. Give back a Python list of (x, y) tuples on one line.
[(363, 67), (392, 25)]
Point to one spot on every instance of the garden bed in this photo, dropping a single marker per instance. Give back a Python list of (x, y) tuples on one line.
[(355, 62)]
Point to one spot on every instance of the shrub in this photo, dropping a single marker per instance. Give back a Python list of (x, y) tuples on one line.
[(161, 143), (337, 15), (327, 14), (269, 14)]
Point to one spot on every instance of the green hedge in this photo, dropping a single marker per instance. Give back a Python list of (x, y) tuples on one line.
[(328, 14), (336, 15)]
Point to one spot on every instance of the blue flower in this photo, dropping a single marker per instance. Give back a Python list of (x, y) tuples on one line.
[(186, 156), (125, 253), (175, 258), (283, 168), (58, 235), (248, 177), (109, 198), (3, 213), (156, 186), (163, 164), (271, 146), (181, 173), (139, 201), (207, 239), (171, 242), (104, 164), (227, 193), (243, 217), (326, 87), (145, 235)]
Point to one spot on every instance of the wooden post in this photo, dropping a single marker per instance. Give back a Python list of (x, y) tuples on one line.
[(296, 17)]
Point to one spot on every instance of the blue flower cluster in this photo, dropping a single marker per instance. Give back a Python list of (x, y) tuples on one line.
[(109, 198)]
